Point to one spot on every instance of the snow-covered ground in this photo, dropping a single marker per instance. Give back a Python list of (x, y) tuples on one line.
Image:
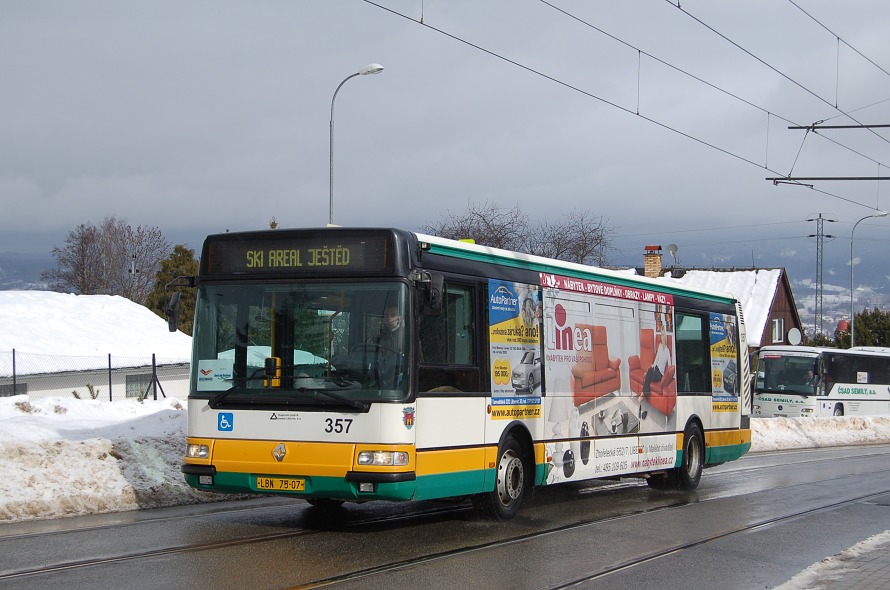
[(77, 326), (830, 572)]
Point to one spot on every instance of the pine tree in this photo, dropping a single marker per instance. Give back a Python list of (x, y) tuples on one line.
[(181, 263), (873, 328)]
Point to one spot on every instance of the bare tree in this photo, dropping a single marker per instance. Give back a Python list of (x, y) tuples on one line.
[(580, 237), (77, 268), (113, 259), (486, 224)]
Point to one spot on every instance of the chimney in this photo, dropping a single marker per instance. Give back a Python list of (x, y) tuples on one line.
[(652, 262)]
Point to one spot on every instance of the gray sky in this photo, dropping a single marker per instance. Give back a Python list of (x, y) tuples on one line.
[(202, 116)]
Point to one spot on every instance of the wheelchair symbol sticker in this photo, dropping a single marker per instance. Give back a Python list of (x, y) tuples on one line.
[(225, 422)]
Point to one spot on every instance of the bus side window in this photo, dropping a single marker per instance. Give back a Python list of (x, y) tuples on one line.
[(432, 338), (693, 354), (879, 370), (449, 341)]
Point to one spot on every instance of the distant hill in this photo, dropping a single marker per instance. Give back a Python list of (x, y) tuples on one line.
[(22, 271)]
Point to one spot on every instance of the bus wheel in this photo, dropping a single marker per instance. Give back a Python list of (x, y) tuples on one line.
[(838, 410), (689, 472), (509, 488)]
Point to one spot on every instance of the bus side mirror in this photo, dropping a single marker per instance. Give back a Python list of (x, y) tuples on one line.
[(172, 312), (432, 305)]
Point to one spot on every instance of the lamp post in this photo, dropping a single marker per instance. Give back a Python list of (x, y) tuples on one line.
[(368, 69), (852, 309)]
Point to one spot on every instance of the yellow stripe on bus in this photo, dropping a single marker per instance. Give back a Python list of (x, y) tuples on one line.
[(454, 460), (725, 438), (466, 459), (721, 438), (260, 456)]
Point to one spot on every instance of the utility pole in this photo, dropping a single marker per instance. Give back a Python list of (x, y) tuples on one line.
[(819, 235)]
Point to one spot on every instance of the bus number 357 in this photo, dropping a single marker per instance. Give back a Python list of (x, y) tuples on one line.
[(338, 426)]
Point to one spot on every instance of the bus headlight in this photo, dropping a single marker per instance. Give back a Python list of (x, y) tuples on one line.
[(383, 458), (197, 451), (756, 408), (806, 410)]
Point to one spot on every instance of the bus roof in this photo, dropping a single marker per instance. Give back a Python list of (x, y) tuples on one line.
[(475, 252), (472, 251), (817, 350)]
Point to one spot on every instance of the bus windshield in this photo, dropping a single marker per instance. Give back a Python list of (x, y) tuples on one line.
[(306, 344), (787, 373)]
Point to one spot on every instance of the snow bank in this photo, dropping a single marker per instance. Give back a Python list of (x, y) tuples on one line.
[(772, 434)]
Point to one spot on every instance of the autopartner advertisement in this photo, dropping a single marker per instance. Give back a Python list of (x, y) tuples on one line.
[(724, 364), (514, 311)]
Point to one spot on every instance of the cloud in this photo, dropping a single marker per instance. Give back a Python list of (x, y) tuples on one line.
[(202, 118)]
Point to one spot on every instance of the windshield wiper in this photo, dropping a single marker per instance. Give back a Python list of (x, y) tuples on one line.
[(216, 400), (352, 403)]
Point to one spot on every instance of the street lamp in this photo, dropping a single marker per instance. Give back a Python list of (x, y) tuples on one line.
[(852, 310), (368, 69)]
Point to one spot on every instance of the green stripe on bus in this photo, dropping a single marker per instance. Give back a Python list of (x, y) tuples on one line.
[(538, 267), (423, 488), (725, 453)]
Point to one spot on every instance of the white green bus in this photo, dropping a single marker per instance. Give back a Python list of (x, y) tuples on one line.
[(347, 365), (802, 381)]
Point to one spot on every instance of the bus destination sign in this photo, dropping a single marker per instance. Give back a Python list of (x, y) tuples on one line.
[(303, 255)]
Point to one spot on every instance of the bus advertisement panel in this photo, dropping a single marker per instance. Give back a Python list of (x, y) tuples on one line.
[(724, 368), (514, 310), (609, 354)]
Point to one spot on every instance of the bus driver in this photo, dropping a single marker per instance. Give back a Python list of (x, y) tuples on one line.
[(390, 353), (810, 380)]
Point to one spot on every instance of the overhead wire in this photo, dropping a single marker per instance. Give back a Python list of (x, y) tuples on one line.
[(839, 38), (689, 231), (853, 111), (702, 80), (773, 68), (564, 84)]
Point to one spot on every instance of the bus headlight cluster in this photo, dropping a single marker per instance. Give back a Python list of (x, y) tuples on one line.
[(807, 410), (399, 458), (197, 451)]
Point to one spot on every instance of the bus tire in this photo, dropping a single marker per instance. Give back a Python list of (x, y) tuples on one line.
[(838, 410), (689, 473), (510, 483)]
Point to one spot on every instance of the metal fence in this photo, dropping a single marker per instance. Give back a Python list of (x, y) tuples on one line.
[(92, 377)]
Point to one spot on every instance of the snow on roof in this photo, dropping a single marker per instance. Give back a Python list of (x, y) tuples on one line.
[(63, 324), (755, 289)]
